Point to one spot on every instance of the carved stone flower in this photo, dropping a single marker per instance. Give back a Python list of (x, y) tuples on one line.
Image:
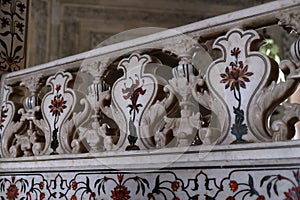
[(120, 192), (57, 105), (12, 192)]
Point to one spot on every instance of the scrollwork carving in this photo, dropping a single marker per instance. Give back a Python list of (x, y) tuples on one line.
[(290, 20), (27, 139)]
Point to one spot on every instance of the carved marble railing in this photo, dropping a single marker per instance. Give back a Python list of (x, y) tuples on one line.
[(154, 95)]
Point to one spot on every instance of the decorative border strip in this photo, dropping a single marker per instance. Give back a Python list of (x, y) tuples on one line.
[(194, 184)]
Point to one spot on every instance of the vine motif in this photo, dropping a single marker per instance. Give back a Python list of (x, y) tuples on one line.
[(13, 191), (236, 78), (12, 24), (293, 193), (121, 192), (82, 186), (58, 104), (120, 187), (133, 92), (248, 189)]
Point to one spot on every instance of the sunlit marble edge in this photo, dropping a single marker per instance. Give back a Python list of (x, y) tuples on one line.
[(221, 156)]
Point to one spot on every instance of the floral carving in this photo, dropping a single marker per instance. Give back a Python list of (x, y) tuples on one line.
[(233, 186), (293, 193), (56, 108), (120, 191), (246, 189), (175, 185), (12, 192), (87, 185), (133, 92), (13, 28), (236, 77), (57, 104)]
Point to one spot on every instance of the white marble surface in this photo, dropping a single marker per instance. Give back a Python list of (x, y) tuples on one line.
[(283, 153)]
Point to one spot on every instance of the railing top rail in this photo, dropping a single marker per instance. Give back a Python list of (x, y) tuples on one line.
[(253, 17)]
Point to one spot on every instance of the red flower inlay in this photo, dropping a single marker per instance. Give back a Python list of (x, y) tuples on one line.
[(12, 192), (73, 197), (58, 87), (293, 193), (235, 76), (120, 193), (176, 198), (120, 177), (233, 186), (230, 198), (150, 196), (175, 185), (74, 185), (133, 92), (261, 197), (41, 185), (92, 195), (42, 196), (57, 105)]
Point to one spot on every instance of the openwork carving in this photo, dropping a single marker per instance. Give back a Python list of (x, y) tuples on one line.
[(235, 79), (164, 97), (26, 138), (132, 95), (57, 106)]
